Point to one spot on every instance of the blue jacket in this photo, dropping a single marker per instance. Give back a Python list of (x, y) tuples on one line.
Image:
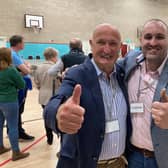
[(159, 136), (82, 150), (23, 92)]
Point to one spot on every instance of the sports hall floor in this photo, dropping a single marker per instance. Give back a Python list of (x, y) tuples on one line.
[(42, 155)]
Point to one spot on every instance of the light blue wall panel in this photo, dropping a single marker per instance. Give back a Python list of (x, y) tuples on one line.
[(35, 49)]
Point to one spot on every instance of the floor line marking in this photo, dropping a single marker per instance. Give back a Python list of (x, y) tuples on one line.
[(27, 121), (25, 149)]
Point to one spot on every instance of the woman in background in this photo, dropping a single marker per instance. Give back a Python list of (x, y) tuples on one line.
[(47, 84), (10, 82)]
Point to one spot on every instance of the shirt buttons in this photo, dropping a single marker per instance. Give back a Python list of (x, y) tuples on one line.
[(114, 145)]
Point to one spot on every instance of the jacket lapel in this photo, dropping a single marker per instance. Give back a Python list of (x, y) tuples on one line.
[(132, 65), (162, 83), (95, 89), (121, 82)]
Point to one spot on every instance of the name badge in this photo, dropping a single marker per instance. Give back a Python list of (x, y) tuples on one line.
[(112, 126), (137, 108)]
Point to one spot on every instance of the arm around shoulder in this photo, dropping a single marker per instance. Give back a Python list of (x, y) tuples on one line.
[(56, 68)]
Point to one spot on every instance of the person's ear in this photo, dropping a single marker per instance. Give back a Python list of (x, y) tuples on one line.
[(91, 44)]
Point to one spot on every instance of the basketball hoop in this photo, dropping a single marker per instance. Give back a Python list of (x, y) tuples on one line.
[(34, 23)]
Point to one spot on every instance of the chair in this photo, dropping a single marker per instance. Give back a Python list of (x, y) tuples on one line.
[(37, 57), (30, 57)]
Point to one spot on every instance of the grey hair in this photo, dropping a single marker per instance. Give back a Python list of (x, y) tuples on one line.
[(50, 52)]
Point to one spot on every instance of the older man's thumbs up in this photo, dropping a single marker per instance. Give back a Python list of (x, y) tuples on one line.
[(70, 115), (160, 110)]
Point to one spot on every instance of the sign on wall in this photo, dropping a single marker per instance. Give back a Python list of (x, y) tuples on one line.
[(3, 41), (86, 47)]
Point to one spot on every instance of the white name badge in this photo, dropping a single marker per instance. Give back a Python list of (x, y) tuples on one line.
[(137, 108), (112, 126)]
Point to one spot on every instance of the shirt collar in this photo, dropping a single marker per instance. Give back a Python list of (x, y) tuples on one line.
[(99, 71), (159, 70)]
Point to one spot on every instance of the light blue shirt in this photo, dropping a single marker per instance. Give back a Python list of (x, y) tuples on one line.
[(16, 60), (115, 109)]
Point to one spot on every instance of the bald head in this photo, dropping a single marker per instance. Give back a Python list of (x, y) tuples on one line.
[(105, 27), (75, 43), (105, 45)]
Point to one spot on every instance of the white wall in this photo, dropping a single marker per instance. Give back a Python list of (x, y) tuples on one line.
[(64, 19)]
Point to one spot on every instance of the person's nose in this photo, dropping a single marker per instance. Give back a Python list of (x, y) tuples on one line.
[(107, 48), (153, 41)]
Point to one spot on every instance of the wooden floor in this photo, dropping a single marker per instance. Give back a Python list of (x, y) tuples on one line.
[(41, 154)]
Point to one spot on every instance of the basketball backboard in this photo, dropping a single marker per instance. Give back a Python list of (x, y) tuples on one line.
[(34, 21)]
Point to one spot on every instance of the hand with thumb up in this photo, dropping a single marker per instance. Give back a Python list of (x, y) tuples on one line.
[(160, 111), (70, 115)]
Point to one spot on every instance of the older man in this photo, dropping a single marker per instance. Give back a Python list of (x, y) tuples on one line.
[(91, 107)]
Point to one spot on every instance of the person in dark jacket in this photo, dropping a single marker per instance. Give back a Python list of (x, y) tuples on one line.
[(91, 107), (75, 55)]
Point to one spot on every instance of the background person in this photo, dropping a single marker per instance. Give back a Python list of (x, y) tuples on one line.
[(17, 44), (44, 83), (10, 82), (75, 55)]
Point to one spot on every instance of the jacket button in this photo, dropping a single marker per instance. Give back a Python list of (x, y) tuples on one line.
[(95, 158), (101, 136), (122, 74)]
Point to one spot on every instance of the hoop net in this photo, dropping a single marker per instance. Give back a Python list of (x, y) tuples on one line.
[(36, 29)]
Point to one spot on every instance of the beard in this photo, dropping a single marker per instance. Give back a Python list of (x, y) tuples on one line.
[(154, 53), (156, 57), (152, 56), (153, 62)]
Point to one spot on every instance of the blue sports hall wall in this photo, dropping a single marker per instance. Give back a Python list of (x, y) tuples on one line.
[(37, 49)]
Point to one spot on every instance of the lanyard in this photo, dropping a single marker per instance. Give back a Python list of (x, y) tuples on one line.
[(149, 85)]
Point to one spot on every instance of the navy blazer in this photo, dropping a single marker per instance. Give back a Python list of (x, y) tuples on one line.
[(159, 136), (82, 150)]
